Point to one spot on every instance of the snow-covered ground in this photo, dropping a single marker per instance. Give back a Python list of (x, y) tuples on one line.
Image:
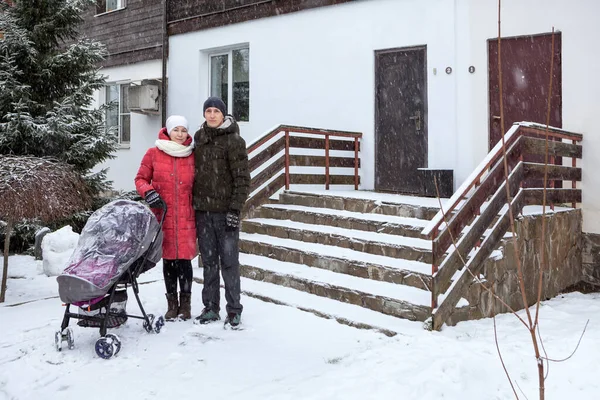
[(284, 353)]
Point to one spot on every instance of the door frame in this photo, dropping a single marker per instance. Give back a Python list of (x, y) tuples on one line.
[(425, 104)]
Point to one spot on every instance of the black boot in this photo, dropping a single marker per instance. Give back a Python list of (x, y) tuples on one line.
[(173, 305), (185, 306)]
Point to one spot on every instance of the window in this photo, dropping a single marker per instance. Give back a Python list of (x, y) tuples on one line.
[(232, 66), (103, 6), (118, 117)]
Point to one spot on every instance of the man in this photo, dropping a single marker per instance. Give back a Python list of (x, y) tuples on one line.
[(221, 184)]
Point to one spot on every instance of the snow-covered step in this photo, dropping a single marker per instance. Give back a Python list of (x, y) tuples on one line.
[(388, 298), (369, 222), (406, 206), (343, 313), (338, 259), (367, 242)]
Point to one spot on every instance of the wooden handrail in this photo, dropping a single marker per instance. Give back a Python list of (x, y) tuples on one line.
[(269, 176), (487, 185), (519, 128)]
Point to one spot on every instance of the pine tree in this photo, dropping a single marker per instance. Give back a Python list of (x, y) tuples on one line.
[(47, 80)]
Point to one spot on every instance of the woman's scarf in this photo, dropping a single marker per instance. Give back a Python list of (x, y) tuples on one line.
[(175, 149)]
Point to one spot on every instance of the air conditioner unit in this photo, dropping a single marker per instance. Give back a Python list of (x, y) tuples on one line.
[(144, 98)]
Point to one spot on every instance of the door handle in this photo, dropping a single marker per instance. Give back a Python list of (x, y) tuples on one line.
[(417, 119)]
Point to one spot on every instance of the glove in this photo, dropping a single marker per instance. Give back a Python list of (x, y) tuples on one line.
[(233, 220), (153, 199)]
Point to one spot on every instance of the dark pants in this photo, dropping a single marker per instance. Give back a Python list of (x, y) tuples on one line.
[(174, 270), (219, 248)]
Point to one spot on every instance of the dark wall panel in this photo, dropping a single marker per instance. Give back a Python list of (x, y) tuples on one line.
[(131, 35), (195, 15)]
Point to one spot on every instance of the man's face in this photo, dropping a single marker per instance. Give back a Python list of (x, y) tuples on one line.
[(214, 117)]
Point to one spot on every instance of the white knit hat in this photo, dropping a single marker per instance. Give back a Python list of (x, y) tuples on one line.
[(174, 121)]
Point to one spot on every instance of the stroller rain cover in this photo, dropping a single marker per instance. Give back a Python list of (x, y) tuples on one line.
[(114, 237)]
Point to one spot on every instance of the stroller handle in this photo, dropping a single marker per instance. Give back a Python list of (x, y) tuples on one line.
[(164, 213)]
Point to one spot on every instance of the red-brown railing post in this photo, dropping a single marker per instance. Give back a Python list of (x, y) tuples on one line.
[(355, 163), (287, 160), (574, 183), (434, 269), (326, 162)]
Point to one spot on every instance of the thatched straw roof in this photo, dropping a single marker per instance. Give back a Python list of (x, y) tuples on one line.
[(32, 187)]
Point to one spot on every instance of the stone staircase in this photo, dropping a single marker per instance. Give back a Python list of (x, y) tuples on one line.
[(360, 261)]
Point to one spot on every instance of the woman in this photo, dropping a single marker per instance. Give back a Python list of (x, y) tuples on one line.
[(167, 175)]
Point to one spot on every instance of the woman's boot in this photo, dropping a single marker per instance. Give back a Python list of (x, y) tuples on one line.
[(185, 306), (171, 314)]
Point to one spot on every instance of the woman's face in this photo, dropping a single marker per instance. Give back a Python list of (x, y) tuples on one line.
[(179, 134), (214, 117)]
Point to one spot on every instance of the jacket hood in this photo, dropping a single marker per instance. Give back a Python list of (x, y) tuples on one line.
[(206, 133)]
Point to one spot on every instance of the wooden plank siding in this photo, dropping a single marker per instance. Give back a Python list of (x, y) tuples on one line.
[(132, 34), (195, 15)]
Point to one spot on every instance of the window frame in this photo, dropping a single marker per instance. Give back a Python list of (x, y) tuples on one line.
[(120, 114), (121, 4), (229, 53)]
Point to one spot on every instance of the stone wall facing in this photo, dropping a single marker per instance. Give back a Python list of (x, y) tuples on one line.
[(564, 249)]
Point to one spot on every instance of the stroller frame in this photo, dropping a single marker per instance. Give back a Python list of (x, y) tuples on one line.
[(109, 344)]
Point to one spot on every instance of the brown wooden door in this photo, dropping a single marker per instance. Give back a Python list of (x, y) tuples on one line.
[(400, 119), (526, 78)]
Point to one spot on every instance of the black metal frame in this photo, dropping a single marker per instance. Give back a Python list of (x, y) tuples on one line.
[(131, 278)]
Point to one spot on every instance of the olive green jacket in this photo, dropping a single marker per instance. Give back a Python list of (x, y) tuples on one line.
[(222, 178)]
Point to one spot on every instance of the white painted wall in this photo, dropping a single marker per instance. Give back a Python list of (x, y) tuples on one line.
[(144, 128), (316, 68), (578, 22)]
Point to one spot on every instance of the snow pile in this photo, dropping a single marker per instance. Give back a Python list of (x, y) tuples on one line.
[(57, 247)]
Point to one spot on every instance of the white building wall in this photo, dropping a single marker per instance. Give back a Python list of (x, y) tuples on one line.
[(316, 68), (144, 128), (578, 22)]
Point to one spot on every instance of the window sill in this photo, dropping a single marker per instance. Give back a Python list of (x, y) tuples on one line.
[(110, 12), (124, 146)]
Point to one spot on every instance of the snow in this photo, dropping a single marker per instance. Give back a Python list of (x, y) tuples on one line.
[(326, 250), (350, 233), (378, 288), (349, 214), (284, 353), (57, 247), (390, 198)]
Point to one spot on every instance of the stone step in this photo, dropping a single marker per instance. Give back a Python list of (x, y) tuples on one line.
[(323, 307), (368, 222), (339, 260), (412, 207), (391, 299), (366, 242)]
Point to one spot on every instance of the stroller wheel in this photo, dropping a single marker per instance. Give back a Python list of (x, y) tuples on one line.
[(104, 348), (58, 340), (160, 322), (70, 339), (116, 342), (148, 325)]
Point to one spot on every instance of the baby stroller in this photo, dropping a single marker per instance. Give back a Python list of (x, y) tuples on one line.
[(119, 242)]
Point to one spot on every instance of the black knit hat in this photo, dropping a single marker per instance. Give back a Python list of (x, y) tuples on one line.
[(217, 103)]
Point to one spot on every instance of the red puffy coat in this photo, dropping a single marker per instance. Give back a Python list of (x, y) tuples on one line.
[(173, 178)]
